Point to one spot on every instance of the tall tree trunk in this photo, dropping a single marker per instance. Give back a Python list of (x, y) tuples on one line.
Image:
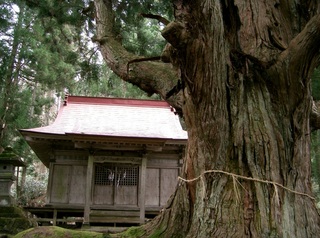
[(245, 66), (9, 77)]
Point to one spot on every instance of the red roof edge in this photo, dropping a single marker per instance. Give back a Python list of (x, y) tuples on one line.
[(115, 101)]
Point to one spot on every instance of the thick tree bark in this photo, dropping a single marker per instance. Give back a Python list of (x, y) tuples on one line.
[(246, 69)]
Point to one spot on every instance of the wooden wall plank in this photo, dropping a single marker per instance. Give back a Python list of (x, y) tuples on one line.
[(60, 184), (152, 187), (77, 185), (163, 163), (103, 195), (168, 182), (126, 195)]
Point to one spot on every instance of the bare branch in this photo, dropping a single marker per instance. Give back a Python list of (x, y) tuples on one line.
[(150, 76), (161, 19)]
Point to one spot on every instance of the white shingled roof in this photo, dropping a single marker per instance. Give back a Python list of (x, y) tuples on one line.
[(116, 117)]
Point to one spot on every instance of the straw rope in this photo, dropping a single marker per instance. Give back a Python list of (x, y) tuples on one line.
[(235, 176)]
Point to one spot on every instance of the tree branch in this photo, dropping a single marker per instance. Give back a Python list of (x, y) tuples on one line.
[(292, 70), (156, 58), (151, 77), (157, 17), (303, 52)]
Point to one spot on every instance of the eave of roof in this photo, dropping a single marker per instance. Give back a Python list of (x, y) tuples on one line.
[(30, 135), (105, 122), (115, 117)]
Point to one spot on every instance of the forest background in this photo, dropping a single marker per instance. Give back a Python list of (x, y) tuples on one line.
[(43, 58), (46, 56)]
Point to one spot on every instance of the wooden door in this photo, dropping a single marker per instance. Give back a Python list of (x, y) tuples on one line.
[(115, 184)]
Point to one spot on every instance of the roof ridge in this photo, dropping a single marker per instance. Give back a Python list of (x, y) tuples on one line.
[(115, 101)]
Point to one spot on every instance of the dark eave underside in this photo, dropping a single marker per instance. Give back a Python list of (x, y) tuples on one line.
[(45, 145)]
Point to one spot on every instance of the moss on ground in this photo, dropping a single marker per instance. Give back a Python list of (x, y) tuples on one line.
[(132, 232), (57, 232), (11, 212), (13, 220), (157, 233)]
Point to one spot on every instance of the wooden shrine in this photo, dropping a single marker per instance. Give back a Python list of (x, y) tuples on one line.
[(110, 160)]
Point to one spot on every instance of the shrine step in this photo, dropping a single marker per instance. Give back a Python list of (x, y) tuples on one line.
[(98, 216)]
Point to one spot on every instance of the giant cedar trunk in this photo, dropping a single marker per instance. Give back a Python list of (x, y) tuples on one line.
[(245, 67)]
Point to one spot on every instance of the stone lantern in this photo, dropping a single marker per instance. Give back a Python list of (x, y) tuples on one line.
[(8, 163)]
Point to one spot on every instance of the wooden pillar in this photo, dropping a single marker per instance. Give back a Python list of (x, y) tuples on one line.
[(142, 192), (55, 213), (86, 215), (49, 187)]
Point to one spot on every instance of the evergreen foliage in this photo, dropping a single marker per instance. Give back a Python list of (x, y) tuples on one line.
[(315, 140), (46, 50), (39, 57), (55, 53), (316, 84), (315, 164), (139, 35)]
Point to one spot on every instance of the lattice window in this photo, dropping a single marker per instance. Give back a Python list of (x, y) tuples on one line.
[(116, 175), (104, 175)]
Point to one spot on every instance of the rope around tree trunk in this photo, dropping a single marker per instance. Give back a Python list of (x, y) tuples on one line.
[(235, 179)]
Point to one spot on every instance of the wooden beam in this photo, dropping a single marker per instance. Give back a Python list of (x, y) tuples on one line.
[(120, 146), (73, 152), (86, 216), (142, 192), (89, 138), (65, 220), (118, 160), (79, 145)]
